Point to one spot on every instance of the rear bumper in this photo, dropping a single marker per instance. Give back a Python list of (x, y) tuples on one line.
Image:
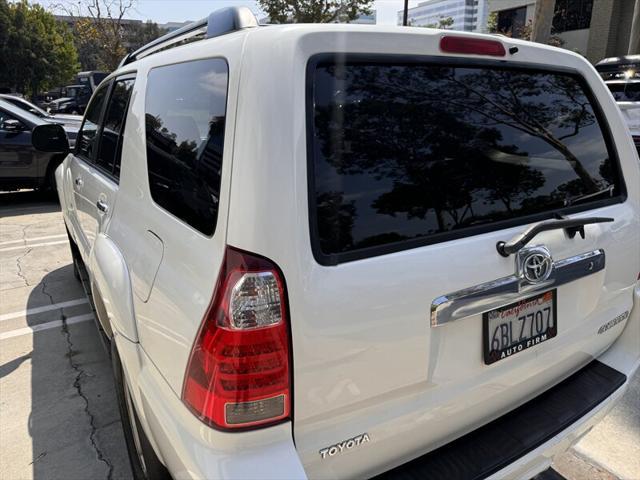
[(191, 450), (501, 448)]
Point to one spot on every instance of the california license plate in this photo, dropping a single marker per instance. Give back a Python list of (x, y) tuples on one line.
[(513, 328)]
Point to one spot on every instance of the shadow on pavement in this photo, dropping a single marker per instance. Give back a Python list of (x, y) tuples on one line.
[(74, 420), (24, 201)]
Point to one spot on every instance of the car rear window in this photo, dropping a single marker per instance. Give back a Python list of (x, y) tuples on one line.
[(404, 154), (185, 112), (625, 92)]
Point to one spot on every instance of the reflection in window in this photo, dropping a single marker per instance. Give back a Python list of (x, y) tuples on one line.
[(412, 151), (87, 140), (110, 141), (185, 120)]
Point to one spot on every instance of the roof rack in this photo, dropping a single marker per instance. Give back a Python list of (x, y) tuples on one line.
[(219, 22)]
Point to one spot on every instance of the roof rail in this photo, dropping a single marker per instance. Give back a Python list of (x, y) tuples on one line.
[(219, 22)]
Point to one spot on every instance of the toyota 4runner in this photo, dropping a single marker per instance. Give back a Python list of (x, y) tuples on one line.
[(342, 251)]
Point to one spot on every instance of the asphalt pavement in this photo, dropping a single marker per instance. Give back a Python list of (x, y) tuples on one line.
[(58, 413)]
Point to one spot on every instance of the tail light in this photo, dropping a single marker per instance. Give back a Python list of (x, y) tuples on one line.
[(478, 46), (238, 373)]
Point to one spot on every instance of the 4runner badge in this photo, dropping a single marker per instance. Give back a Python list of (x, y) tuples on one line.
[(344, 445)]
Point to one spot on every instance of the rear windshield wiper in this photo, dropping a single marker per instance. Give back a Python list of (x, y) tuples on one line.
[(589, 196), (571, 225)]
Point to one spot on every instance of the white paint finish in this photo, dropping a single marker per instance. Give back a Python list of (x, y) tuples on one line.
[(112, 284), (44, 326), (35, 245), (365, 358), (145, 266), (183, 287), (25, 241), (193, 451), (45, 308)]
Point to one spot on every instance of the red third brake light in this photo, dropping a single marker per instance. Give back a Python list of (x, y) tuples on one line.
[(238, 372), (477, 46)]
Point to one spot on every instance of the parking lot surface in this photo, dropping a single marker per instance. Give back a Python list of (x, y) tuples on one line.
[(58, 414)]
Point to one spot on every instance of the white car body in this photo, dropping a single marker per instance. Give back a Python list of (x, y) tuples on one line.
[(365, 358)]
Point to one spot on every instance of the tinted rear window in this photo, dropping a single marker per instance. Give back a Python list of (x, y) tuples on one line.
[(625, 92), (405, 154)]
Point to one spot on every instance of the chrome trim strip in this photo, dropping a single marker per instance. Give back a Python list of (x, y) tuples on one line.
[(497, 293)]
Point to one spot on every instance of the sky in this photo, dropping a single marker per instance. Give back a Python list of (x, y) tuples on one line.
[(162, 11)]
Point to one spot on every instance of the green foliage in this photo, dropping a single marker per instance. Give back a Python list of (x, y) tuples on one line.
[(101, 32), (492, 22), (315, 11), (523, 32), (141, 34), (445, 23), (36, 51)]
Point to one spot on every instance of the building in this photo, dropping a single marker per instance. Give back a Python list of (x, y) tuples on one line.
[(467, 15), (593, 28)]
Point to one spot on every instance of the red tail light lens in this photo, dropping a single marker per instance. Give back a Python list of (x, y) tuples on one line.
[(238, 372), (477, 46)]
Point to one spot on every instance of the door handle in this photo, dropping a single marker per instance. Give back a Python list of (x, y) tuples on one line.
[(79, 181), (102, 206)]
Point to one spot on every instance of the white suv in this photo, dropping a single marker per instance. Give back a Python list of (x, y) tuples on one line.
[(342, 251)]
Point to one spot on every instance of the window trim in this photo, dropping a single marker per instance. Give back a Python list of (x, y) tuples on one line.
[(224, 146), (111, 174), (334, 259), (76, 149)]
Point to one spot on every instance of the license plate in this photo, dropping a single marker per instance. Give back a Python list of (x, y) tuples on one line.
[(524, 324)]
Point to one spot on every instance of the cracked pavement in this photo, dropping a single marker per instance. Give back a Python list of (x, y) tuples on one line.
[(58, 413)]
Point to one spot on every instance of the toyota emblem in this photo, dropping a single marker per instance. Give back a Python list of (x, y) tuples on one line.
[(537, 266)]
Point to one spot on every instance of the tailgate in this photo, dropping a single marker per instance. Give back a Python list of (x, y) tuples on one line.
[(409, 328)]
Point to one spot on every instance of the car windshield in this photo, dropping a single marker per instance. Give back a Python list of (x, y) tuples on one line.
[(26, 105), (76, 91), (625, 92)]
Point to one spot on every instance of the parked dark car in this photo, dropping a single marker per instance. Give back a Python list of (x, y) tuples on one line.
[(63, 119), (21, 164), (619, 68), (74, 100)]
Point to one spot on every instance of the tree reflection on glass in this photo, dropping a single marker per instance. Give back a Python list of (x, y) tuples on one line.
[(416, 150)]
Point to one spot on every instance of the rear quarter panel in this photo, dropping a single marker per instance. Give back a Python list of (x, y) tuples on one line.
[(354, 372)]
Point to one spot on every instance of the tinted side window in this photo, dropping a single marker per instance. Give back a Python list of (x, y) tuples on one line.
[(185, 119), (87, 140), (113, 127), (416, 151)]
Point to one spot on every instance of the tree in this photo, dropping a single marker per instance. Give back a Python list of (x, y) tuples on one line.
[(418, 120), (102, 34), (36, 51), (523, 33), (444, 23), (142, 33), (315, 11)]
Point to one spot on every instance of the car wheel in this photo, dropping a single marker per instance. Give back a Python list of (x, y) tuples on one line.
[(49, 185), (145, 464)]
